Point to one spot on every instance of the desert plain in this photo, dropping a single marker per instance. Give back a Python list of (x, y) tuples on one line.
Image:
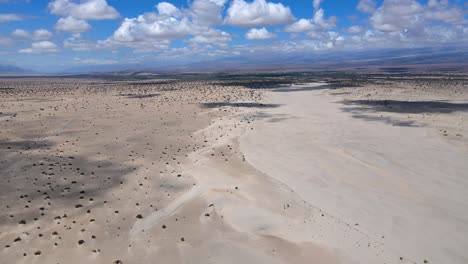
[(247, 168)]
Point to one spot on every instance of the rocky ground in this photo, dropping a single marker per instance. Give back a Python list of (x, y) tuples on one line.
[(82, 160)]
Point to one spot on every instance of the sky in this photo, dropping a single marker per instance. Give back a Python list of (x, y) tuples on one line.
[(60, 34)]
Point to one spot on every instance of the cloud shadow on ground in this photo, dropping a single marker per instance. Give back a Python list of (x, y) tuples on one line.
[(37, 183), (372, 110), (241, 105), (404, 107), (139, 96)]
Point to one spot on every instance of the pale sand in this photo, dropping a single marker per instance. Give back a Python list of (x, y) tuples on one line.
[(404, 188), (293, 180)]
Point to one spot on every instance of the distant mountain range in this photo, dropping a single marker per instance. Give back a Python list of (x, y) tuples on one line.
[(10, 69), (448, 59), (340, 60), (393, 60)]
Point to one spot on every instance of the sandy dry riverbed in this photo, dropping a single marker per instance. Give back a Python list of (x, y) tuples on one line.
[(393, 182)]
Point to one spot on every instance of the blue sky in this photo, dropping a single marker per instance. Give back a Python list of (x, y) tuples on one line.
[(59, 34)]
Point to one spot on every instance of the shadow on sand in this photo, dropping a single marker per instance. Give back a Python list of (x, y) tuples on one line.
[(404, 107), (368, 110), (243, 105), (288, 89), (139, 96), (387, 120), (286, 86), (24, 145), (37, 183)]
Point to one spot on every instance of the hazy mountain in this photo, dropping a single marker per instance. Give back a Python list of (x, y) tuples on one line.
[(443, 58), (344, 59), (10, 69)]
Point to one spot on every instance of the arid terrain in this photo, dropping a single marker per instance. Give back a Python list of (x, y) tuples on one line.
[(261, 168)]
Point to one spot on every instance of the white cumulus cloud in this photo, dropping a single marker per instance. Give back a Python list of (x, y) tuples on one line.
[(93, 61), (207, 12), (395, 15), (78, 44), (40, 34), (165, 8), (11, 17), (156, 30), (366, 6), (355, 29), (398, 15), (151, 26), (302, 25), (212, 36), (259, 34), (72, 25), (317, 22), (40, 48), (6, 41), (411, 23), (85, 9), (317, 4), (257, 13)]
